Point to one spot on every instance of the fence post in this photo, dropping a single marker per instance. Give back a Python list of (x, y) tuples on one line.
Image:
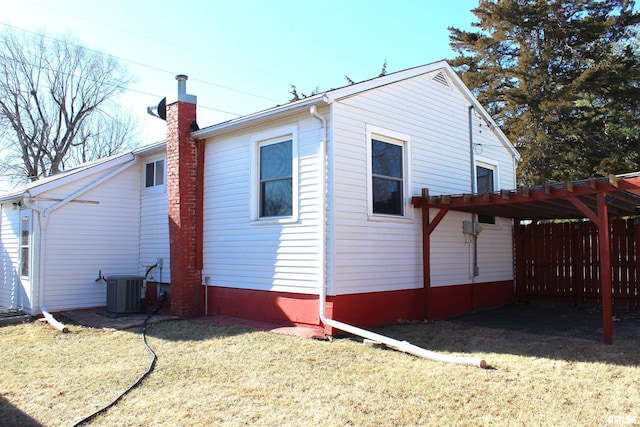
[(636, 276), (577, 259)]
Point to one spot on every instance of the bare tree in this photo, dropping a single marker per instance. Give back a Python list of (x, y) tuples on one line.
[(57, 105)]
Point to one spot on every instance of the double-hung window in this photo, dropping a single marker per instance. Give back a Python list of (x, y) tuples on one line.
[(388, 172), (275, 175), (387, 183), (276, 179)]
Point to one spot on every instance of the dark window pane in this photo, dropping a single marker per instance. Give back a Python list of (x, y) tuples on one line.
[(25, 243), (275, 161), (387, 196), (387, 171), (25, 231), (160, 172), (276, 198), (484, 179), (149, 174), (276, 193), (386, 159), (25, 262)]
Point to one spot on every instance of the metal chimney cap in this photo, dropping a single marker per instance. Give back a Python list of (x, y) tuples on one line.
[(182, 77)]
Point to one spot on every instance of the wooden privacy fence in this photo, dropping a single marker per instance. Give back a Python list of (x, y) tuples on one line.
[(560, 262)]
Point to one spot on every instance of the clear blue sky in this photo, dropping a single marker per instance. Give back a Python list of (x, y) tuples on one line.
[(242, 55)]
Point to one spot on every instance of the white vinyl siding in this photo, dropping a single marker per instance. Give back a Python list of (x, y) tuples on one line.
[(11, 294), (242, 252), (154, 229), (383, 256), (99, 231)]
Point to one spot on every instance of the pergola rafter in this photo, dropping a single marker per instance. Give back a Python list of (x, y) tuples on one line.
[(598, 199)]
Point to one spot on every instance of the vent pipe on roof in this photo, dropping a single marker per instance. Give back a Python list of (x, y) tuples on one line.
[(183, 96), (182, 84)]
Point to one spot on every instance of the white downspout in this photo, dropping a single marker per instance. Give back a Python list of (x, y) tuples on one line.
[(402, 346), (474, 190), (43, 216)]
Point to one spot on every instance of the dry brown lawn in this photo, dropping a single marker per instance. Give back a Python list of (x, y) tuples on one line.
[(216, 375)]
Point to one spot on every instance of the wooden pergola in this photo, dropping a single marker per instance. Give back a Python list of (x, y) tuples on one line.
[(598, 199)]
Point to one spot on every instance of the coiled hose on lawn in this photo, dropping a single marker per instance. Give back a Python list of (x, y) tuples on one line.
[(134, 385)]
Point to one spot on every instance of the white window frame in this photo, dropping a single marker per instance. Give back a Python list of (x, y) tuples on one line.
[(403, 140), (488, 164), (28, 263), (274, 136), (155, 188)]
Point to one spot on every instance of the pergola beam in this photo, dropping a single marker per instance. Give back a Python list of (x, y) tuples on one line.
[(595, 199)]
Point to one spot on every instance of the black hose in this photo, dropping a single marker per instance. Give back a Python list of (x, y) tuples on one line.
[(151, 267), (134, 385)]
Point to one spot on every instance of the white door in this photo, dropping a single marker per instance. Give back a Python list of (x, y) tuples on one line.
[(25, 255)]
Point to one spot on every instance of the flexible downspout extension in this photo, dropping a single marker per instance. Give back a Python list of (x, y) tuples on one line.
[(402, 346)]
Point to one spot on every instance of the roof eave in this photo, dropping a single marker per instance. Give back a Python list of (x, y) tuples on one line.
[(259, 117)]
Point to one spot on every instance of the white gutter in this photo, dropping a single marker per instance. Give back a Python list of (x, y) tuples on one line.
[(43, 214), (402, 346)]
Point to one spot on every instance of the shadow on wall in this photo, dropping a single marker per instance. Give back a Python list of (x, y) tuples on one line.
[(13, 294)]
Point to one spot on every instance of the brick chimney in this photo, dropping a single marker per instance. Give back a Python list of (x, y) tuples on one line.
[(185, 158)]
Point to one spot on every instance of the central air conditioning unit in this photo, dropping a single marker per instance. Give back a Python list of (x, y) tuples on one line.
[(123, 294)]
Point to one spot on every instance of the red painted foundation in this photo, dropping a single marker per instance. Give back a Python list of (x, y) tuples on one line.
[(368, 310), (450, 300), (365, 310)]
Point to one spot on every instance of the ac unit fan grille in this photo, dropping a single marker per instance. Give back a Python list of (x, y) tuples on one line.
[(123, 294)]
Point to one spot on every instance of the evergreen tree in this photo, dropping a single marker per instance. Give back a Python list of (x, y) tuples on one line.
[(562, 79)]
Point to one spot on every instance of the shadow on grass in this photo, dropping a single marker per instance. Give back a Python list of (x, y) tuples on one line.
[(193, 330), (12, 416), (541, 331), (173, 329)]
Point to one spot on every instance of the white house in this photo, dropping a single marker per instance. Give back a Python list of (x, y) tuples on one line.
[(61, 236), (297, 213)]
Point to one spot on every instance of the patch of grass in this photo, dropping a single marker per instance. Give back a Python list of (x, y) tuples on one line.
[(210, 374)]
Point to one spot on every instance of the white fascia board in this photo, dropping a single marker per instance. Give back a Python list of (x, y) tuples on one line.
[(63, 178), (12, 195), (347, 91), (259, 117), (326, 97), (344, 92), (150, 149)]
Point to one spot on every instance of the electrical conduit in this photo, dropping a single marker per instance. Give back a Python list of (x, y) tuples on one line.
[(402, 346)]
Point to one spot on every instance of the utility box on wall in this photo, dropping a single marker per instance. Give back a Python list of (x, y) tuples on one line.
[(123, 294)]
